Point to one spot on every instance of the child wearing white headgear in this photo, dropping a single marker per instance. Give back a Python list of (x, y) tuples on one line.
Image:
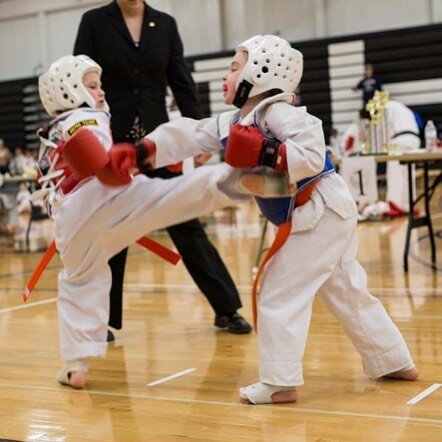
[(96, 218), (314, 253)]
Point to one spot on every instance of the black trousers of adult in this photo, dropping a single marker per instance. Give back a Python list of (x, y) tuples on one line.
[(200, 258)]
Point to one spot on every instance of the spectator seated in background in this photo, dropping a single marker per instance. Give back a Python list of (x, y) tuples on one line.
[(14, 197), (8, 191), (18, 162)]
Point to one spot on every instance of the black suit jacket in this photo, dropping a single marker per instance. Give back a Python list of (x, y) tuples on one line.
[(135, 78)]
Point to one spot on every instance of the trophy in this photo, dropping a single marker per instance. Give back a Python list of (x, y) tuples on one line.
[(378, 133), (373, 142)]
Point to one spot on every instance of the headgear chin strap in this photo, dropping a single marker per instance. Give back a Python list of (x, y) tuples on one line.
[(242, 93)]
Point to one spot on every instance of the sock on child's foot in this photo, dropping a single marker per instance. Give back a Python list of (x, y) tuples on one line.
[(73, 373), (261, 393)]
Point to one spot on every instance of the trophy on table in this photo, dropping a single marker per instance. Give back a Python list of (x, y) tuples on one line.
[(378, 140)]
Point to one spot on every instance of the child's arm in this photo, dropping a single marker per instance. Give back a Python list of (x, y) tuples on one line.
[(295, 145), (304, 139), (183, 138), (168, 144)]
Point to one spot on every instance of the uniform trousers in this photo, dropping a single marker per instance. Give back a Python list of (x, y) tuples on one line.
[(141, 207), (322, 262)]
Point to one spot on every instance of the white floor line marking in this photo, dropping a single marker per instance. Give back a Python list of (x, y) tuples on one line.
[(27, 305), (423, 394), (173, 376), (294, 408), (394, 290)]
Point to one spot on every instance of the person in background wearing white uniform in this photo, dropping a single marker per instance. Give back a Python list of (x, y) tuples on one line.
[(335, 143), (95, 220), (403, 132), (354, 137), (319, 253)]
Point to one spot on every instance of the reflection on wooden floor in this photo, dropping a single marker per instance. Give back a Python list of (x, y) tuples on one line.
[(168, 327)]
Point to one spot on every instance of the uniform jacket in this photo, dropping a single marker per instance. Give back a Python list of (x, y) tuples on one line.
[(305, 146), (79, 205), (135, 78)]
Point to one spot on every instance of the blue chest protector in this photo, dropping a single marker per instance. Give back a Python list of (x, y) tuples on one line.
[(279, 210)]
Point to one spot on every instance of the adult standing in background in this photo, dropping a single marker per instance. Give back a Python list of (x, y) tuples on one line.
[(369, 84), (140, 51)]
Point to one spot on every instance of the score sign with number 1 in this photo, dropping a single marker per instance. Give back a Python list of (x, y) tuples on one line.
[(359, 173)]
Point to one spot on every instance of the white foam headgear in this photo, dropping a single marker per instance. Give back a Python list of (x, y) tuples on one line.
[(61, 87), (271, 64)]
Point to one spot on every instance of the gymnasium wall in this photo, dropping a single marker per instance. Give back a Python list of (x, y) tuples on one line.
[(34, 33), (409, 62), (21, 113)]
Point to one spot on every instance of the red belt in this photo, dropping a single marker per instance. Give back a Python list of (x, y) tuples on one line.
[(144, 241)]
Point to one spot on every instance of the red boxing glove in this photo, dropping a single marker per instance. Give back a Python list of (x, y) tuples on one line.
[(122, 160), (247, 147), (125, 157), (84, 154)]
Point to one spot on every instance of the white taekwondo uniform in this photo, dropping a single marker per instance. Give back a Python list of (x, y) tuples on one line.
[(319, 257), (95, 221)]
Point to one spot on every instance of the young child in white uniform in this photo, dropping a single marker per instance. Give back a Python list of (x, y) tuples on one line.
[(93, 220), (319, 255)]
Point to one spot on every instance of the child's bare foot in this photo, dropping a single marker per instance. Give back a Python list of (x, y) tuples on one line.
[(408, 375), (285, 397), (269, 185), (261, 393), (73, 373), (77, 379)]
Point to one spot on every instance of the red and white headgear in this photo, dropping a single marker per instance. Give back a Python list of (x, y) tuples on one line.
[(272, 64), (61, 87)]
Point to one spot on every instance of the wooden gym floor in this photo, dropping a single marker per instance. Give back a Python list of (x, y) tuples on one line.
[(168, 328)]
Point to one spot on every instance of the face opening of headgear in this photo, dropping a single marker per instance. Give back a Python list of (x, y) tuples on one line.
[(272, 64), (61, 87)]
